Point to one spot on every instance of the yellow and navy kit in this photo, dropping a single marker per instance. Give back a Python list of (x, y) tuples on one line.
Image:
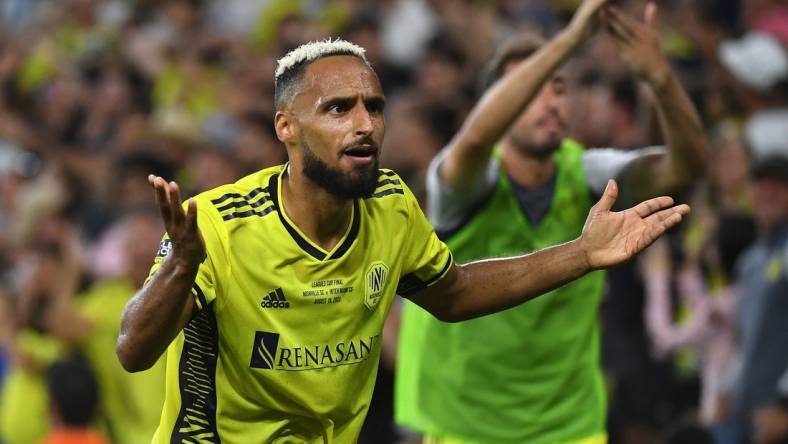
[(286, 342)]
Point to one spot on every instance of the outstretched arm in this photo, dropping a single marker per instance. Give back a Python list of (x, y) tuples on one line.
[(682, 130), (469, 151), (163, 307), (608, 238)]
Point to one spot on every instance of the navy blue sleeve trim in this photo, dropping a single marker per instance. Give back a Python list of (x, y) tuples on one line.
[(410, 284)]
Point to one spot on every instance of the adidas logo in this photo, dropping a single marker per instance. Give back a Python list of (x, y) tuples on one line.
[(275, 299)]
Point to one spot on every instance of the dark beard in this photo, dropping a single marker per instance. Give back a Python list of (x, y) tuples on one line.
[(359, 184)]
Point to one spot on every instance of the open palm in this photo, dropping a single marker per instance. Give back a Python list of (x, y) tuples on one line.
[(612, 237)]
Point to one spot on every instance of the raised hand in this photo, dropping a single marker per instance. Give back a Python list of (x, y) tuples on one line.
[(584, 18), (610, 238), (638, 42), (188, 247)]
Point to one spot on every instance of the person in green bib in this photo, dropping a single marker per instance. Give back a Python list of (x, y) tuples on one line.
[(511, 182)]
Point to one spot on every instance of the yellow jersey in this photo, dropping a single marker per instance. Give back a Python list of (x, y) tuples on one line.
[(286, 342)]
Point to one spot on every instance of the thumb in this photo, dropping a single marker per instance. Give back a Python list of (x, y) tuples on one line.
[(650, 15), (608, 197)]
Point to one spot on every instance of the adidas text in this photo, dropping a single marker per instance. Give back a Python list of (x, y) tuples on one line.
[(275, 299)]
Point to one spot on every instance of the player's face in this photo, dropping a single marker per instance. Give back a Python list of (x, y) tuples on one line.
[(770, 201), (543, 124), (339, 113)]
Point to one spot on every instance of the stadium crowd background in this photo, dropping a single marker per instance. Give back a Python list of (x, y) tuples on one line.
[(95, 95)]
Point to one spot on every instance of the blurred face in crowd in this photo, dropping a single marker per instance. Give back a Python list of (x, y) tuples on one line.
[(368, 38), (770, 201), (336, 119), (133, 189), (257, 149), (181, 13), (38, 269), (212, 169), (411, 143), (730, 166), (61, 101), (143, 234), (113, 96), (439, 79), (84, 9), (591, 114), (541, 127)]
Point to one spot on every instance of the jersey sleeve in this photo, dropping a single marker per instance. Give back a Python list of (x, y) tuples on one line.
[(208, 282), (426, 258)]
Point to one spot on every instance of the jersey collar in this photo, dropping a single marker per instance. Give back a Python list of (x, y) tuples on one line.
[(275, 189)]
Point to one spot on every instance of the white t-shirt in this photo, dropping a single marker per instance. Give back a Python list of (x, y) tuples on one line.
[(447, 208)]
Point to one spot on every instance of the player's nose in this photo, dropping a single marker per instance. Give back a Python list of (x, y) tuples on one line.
[(362, 121)]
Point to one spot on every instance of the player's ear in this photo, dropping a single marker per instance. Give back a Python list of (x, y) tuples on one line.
[(284, 123)]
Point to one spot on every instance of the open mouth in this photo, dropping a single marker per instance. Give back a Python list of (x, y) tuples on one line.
[(361, 151), (552, 124)]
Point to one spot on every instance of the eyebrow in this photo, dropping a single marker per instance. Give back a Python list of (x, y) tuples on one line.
[(338, 101), (379, 101)]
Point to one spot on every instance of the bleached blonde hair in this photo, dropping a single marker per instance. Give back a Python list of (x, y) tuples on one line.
[(290, 67), (309, 52)]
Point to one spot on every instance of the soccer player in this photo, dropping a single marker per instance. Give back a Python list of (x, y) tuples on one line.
[(270, 293), (512, 182)]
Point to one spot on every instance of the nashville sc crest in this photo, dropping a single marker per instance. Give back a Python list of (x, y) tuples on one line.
[(375, 283)]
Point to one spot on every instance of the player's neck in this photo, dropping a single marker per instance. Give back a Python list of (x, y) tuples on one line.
[(320, 215), (528, 171)]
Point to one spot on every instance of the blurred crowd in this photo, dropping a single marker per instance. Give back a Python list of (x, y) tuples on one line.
[(95, 95)]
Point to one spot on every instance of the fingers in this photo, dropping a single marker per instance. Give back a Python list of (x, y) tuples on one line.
[(646, 208), (168, 200), (585, 15), (621, 26), (650, 16), (180, 223), (669, 214), (609, 196), (596, 5), (589, 7), (162, 198), (659, 222), (666, 219), (179, 218)]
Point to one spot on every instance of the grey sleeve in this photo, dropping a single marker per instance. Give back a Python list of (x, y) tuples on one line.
[(782, 385), (448, 208), (602, 164)]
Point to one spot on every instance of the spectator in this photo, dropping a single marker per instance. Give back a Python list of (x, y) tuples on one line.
[(74, 397), (512, 182), (755, 410)]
